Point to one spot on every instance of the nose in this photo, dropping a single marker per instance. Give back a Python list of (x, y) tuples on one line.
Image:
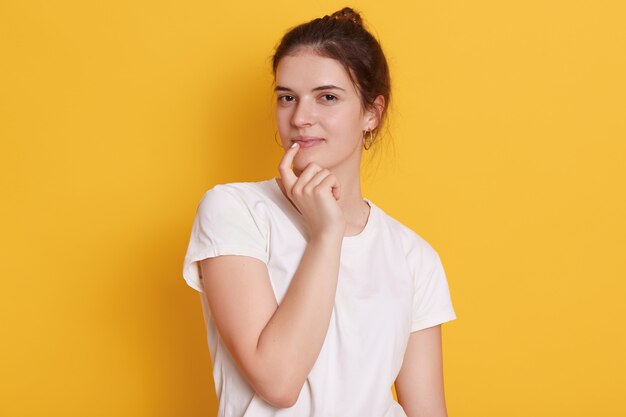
[(303, 114)]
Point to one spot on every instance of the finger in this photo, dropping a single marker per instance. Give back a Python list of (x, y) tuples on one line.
[(287, 176), (332, 183), (305, 177), (316, 179)]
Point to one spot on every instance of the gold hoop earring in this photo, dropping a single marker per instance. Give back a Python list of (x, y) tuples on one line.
[(367, 144), (276, 140)]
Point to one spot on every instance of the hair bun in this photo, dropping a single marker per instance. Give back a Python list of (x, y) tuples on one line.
[(348, 14)]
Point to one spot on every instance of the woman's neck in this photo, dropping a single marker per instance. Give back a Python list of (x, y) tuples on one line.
[(355, 209)]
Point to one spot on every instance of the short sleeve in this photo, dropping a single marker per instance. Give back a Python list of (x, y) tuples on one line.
[(431, 300), (225, 224)]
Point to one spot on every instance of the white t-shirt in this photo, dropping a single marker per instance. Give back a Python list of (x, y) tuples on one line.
[(391, 283)]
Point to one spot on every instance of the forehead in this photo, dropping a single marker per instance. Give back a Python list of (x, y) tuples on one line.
[(307, 70)]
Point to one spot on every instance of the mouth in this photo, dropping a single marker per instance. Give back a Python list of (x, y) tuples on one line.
[(307, 141)]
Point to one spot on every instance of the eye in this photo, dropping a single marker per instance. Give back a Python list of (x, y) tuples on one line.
[(284, 99), (329, 98)]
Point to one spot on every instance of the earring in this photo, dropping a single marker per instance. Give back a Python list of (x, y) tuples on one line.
[(368, 143), (276, 139)]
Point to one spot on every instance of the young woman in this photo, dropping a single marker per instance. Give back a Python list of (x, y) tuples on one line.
[(315, 300)]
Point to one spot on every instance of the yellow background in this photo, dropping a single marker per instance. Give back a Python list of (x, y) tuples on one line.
[(508, 129)]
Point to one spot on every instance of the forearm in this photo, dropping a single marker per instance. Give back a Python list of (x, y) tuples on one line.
[(290, 343), (419, 384)]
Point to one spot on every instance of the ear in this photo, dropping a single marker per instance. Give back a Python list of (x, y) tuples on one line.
[(374, 115)]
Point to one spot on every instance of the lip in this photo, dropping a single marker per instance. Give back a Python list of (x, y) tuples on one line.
[(307, 141)]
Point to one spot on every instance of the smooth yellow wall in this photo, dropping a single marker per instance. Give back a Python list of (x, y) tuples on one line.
[(509, 124)]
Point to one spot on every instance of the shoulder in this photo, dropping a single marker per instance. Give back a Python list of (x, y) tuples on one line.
[(246, 190), (404, 235), (231, 196), (413, 245)]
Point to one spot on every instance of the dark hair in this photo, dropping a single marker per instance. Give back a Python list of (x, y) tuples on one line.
[(341, 36)]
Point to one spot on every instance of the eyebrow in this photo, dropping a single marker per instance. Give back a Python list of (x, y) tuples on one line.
[(321, 87)]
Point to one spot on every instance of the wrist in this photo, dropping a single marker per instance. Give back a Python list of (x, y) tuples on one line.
[(327, 237)]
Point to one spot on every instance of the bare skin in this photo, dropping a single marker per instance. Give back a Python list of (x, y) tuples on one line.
[(419, 384)]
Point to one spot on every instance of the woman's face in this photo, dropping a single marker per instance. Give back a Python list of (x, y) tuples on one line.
[(319, 107)]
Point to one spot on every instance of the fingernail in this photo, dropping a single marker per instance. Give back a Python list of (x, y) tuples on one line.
[(294, 144)]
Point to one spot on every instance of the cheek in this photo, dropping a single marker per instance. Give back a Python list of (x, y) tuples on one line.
[(280, 117), (346, 124)]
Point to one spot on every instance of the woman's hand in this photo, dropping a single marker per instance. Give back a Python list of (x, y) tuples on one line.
[(314, 193)]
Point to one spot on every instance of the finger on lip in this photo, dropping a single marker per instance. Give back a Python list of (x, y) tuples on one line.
[(290, 154), (288, 177), (307, 143)]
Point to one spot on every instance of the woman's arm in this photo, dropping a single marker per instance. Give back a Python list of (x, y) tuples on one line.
[(275, 346), (419, 385)]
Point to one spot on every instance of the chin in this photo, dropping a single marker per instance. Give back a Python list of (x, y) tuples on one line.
[(302, 161)]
